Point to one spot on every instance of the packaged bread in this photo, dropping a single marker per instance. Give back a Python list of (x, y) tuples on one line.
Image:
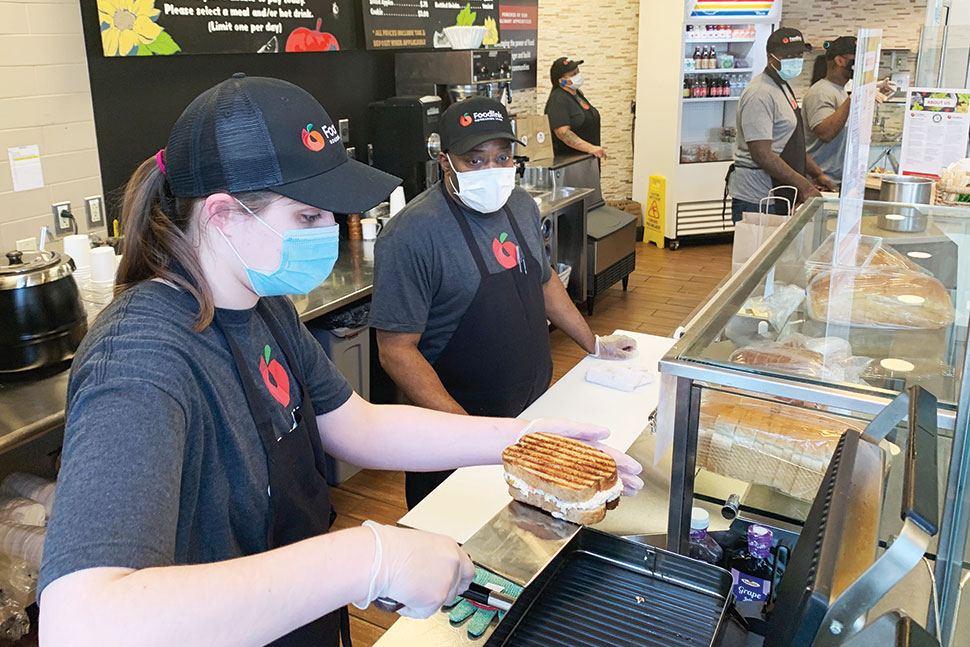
[(880, 297), (783, 447), (825, 358), (871, 251)]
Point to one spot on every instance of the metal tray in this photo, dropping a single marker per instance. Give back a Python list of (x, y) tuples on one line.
[(604, 590)]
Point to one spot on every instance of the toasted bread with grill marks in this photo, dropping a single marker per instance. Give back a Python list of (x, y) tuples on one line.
[(567, 469)]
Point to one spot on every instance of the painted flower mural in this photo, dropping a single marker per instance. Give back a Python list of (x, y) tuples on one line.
[(128, 28)]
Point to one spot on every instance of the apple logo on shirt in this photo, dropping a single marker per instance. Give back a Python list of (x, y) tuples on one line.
[(505, 252), (275, 377)]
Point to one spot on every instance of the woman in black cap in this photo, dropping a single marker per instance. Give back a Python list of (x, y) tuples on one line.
[(573, 119), (192, 503)]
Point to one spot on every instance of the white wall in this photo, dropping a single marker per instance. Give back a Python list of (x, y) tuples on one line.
[(45, 99)]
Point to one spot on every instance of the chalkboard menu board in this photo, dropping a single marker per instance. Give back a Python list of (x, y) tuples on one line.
[(419, 24), (165, 27)]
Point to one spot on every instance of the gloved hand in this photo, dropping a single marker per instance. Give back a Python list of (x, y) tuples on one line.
[(420, 570), (885, 90), (626, 468), (481, 616), (615, 347)]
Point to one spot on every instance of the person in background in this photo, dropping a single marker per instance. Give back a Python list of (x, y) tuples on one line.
[(769, 151), (826, 106), (463, 287), (192, 504), (572, 118)]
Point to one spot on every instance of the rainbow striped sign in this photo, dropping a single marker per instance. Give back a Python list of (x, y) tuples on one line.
[(732, 8)]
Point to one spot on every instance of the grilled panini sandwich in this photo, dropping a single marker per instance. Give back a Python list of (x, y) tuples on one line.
[(565, 477)]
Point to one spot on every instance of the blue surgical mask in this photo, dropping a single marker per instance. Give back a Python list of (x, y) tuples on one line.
[(790, 67), (306, 259)]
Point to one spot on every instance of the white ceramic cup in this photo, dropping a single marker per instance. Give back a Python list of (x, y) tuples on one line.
[(371, 227), (103, 265), (78, 247)]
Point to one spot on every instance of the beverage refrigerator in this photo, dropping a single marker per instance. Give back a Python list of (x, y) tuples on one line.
[(687, 137)]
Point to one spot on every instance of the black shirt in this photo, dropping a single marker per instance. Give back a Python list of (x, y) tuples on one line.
[(575, 111)]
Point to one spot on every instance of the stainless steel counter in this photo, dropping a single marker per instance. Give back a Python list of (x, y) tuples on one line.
[(29, 410)]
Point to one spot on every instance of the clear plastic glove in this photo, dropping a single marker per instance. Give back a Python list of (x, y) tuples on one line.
[(615, 347), (626, 468), (481, 616), (885, 90), (420, 570)]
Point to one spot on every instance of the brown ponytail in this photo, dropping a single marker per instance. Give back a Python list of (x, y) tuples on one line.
[(156, 228)]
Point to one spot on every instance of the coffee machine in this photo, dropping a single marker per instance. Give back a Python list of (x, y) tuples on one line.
[(405, 139), (454, 75)]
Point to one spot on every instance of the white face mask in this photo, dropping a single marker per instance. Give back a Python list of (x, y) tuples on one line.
[(486, 190), (577, 80)]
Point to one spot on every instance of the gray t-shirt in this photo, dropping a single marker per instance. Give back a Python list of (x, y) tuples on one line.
[(424, 274), (162, 462), (821, 101), (764, 112)]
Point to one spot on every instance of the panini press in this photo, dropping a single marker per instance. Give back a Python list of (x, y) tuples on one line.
[(604, 590)]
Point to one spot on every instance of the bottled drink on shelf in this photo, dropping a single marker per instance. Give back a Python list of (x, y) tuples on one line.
[(702, 546), (687, 88), (751, 570), (697, 57)]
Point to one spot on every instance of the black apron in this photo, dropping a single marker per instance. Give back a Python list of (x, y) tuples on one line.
[(498, 360), (794, 154), (299, 495)]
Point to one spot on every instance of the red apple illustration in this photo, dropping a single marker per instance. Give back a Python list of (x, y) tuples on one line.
[(465, 120), (504, 251), (302, 39), (275, 377), (312, 139)]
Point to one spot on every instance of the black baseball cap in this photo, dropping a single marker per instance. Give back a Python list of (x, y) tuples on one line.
[(252, 133), (466, 124), (787, 42), (841, 46), (562, 65)]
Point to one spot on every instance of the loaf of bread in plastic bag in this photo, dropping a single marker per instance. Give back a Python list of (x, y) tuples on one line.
[(780, 446)]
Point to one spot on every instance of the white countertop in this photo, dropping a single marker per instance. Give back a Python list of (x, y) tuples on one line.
[(471, 496)]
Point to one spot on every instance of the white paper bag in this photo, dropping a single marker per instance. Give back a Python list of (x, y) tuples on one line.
[(750, 235)]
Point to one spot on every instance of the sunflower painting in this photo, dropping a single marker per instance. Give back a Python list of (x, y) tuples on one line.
[(128, 28)]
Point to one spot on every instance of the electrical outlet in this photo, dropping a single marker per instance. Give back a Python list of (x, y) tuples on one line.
[(343, 126), (27, 244), (62, 224), (94, 208)]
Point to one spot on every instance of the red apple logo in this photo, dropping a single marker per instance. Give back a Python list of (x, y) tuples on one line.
[(275, 377), (505, 252), (465, 120), (302, 39), (312, 139)]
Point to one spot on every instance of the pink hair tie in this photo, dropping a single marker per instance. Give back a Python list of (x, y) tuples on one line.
[(158, 159)]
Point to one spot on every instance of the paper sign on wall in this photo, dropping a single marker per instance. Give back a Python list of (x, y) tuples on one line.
[(25, 167), (935, 130)]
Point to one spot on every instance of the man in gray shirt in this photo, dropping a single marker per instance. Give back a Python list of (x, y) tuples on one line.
[(826, 107), (770, 147)]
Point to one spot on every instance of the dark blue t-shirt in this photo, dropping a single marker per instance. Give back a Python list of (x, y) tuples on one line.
[(162, 462)]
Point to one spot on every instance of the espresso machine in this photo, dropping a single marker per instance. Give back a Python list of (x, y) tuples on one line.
[(406, 141), (454, 75)]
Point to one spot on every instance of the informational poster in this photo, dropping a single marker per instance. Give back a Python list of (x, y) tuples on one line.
[(732, 8), (25, 169), (858, 138), (518, 31), (936, 127), (166, 27), (420, 24)]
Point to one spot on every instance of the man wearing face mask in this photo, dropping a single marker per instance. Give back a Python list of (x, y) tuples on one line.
[(462, 287), (770, 148)]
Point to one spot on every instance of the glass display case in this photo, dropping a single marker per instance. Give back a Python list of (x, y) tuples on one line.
[(796, 347)]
